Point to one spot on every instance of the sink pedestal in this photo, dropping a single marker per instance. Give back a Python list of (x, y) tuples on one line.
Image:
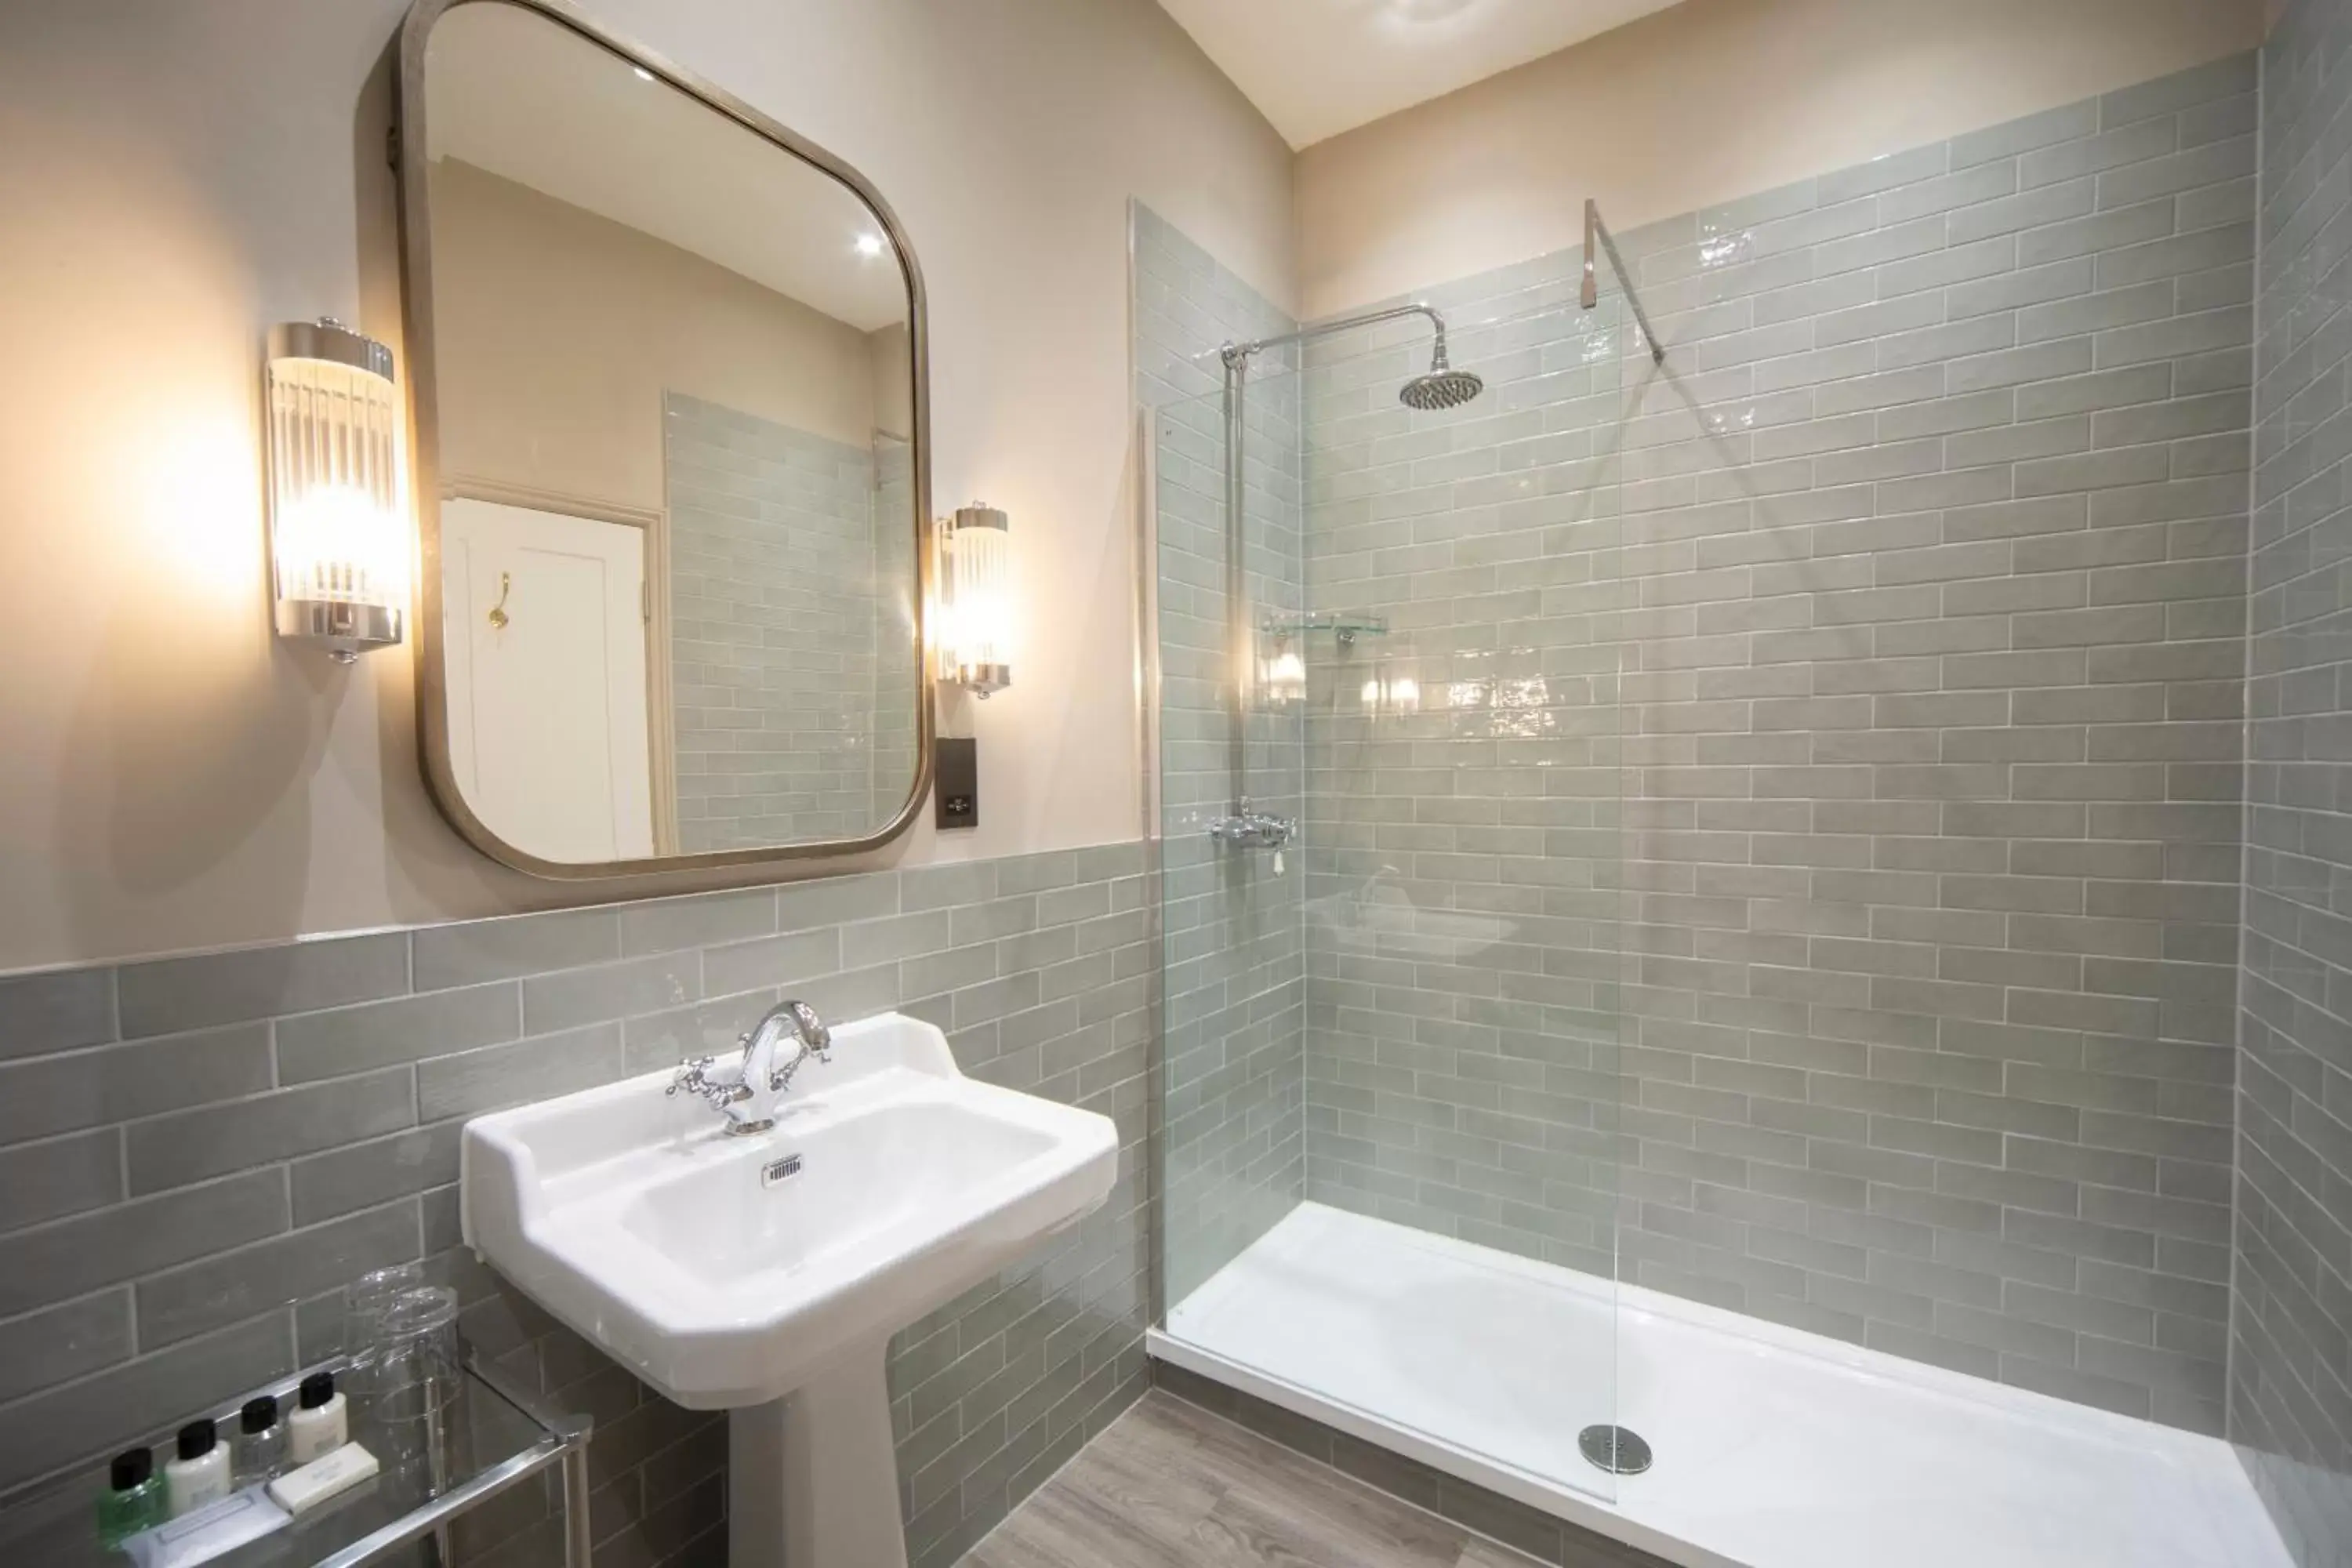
[(812, 1478)]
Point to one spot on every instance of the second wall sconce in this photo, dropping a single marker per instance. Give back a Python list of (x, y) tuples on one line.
[(339, 545), (975, 577)]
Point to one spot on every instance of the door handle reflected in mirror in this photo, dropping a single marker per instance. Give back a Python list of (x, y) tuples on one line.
[(499, 618)]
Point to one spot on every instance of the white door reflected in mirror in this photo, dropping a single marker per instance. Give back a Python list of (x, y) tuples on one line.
[(544, 631)]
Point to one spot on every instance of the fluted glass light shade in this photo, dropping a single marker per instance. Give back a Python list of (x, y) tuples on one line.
[(976, 645), (338, 543), (1283, 676)]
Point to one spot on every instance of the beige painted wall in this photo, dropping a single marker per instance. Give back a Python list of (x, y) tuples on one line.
[(1712, 99), (176, 177), (560, 330)]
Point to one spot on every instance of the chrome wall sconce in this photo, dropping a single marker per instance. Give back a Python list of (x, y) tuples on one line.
[(338, 543), (975, 620)]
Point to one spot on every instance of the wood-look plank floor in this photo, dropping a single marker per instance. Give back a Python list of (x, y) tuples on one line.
[(1170, 1486)]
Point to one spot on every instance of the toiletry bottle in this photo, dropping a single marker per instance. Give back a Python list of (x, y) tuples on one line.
[(200, 1475), (260, 1442), (134, 1500), (318, 1427)]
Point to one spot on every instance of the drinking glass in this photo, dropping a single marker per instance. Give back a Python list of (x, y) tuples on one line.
[(365, 1300), (419, 1381)]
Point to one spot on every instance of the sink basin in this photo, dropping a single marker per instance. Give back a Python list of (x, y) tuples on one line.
[(865, 1179), (765, 1274)]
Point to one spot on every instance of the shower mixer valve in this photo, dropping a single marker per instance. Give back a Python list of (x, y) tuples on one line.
[(1247, 829)]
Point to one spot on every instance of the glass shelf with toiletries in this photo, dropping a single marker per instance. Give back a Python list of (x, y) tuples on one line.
[(388, 1500), (1349, 624)]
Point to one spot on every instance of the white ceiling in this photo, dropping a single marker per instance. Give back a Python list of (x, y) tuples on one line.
[(1316, 68), (509, 91)]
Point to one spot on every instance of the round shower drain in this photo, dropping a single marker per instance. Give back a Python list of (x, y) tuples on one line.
[(1616, 1449)]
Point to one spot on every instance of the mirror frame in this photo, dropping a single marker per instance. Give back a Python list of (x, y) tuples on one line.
[(727, 867)]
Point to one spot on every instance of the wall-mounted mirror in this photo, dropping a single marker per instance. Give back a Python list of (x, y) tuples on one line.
[(671, 463)]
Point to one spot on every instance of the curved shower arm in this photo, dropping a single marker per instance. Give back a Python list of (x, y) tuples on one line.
[(1240, 353)]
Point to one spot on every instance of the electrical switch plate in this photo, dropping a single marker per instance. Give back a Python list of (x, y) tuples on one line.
[(955, 787)]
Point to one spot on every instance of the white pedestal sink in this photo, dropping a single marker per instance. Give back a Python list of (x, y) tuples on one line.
[(764, 1275)]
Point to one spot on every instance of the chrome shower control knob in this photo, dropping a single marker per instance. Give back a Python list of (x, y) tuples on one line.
[(1249, 829)]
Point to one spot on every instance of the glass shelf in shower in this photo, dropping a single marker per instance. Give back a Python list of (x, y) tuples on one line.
[(1349, 624)]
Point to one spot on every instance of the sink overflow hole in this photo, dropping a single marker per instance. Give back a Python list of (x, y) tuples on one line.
[(782, 1170)]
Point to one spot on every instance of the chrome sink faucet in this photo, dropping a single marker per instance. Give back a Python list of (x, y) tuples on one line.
[(746, 1091)]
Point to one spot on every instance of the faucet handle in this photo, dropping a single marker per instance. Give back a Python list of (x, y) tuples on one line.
[(693, 1076)]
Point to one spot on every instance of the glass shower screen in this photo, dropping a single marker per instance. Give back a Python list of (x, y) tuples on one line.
[(1389, 1100)]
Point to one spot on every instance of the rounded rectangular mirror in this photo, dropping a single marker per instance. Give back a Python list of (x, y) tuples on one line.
[(671, 465)]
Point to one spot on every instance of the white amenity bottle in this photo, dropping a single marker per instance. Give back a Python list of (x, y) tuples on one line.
[(200, 1474), (319, 1424)]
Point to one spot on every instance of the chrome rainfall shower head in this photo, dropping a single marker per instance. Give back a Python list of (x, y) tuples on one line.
[(1442, 389), (1444, 386)]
